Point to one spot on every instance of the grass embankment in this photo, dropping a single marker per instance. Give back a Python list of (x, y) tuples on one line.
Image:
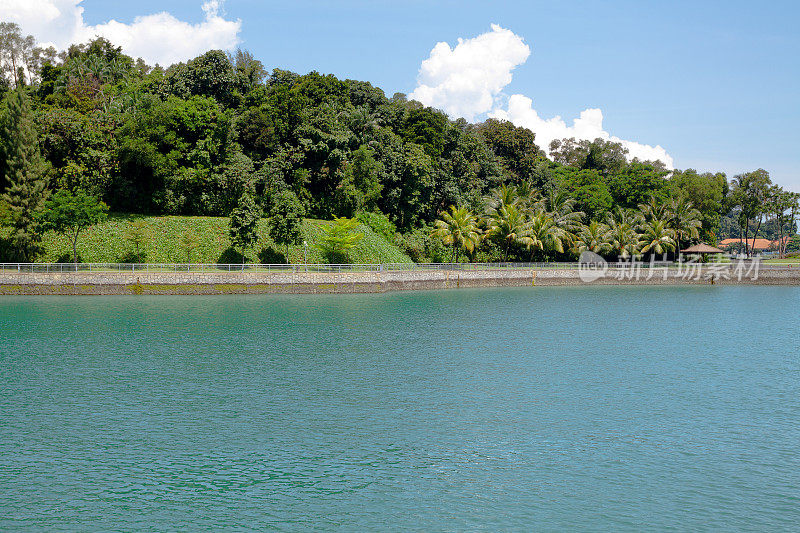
[(163, 236)]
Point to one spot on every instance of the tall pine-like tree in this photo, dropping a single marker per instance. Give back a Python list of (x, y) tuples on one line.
[(24, 175), (243, 228)]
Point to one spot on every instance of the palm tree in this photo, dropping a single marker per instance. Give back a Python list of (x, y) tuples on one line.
[(684, 221), (543, 234), (623, 238), (527, 195), (502, 196), (654, 209), (459, 229), (510, 224), (561, 208), (657, 237), (593, 237)]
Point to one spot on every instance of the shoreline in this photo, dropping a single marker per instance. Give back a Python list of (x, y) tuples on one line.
[(205, 283)]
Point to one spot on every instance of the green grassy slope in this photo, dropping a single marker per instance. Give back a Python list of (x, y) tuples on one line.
[(106, 243)]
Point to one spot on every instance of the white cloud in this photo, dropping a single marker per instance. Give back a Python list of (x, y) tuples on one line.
[(464, 81), (468, 80), (588, 126), (158, 38)]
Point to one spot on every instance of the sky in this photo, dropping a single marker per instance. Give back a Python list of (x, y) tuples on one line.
[(711, 85)]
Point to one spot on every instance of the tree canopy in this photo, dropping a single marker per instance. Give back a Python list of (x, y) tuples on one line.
[(194, 138)]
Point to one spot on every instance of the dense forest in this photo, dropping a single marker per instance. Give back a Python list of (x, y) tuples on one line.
[(220, 135)]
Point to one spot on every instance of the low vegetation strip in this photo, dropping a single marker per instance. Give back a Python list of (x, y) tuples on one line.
[(173, 239)]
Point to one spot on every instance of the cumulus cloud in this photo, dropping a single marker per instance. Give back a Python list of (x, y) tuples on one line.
[(157, 38), (588, 126), (467, 81)]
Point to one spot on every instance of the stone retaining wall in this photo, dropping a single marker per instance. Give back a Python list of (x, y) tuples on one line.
[(111, 283)]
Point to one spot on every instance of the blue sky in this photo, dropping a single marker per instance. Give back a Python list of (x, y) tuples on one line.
[(714, 83)]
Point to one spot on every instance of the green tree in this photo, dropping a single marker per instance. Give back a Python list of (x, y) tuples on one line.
[(338, 238), (136, 234), (782, 205), (415, 187), (24, 172), (707, 193), (654, 209), (509, 225), (82, 149), (657, 238), (684, 221), (794, 244), (544, 234), (458, 228), (594, 237), (243, 229), (636, 182), (425, 127), (503, 195), (20, 57), (514, 146), (623, 239), (589, 189), (559, 206), (750, 192), (606, 157), (170, 155), (70, 213), (360, 187), (210, 74), (286, 220), (249, 71)]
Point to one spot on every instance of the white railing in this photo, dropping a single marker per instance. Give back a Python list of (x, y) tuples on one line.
[(65, 268)]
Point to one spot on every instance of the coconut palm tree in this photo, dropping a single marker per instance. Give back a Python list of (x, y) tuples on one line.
[(527, 195), (657, 237), (510, 224), (654, 209), (684, 221), (561, 208), (502, 196), (543, 234), (623, 239), (459, 229), (593, 237)]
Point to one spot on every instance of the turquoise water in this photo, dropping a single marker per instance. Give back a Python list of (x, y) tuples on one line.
[(599, 408)]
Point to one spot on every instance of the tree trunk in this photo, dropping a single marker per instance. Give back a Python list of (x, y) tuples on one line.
[(740, 238), (746, 237), (755, 235), (14, 67)]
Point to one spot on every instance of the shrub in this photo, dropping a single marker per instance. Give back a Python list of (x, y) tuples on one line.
[(422, 247), (338, 238), (379, 223)]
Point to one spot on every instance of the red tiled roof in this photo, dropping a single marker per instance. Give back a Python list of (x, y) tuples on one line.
[(755, 244)]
